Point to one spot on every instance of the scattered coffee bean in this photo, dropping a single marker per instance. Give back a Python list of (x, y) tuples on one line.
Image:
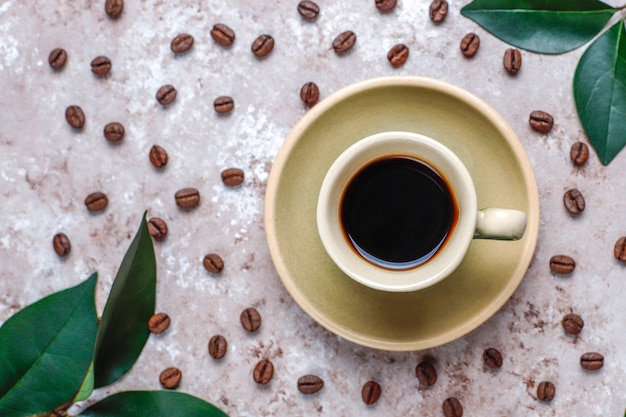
[(218, 346), (579, 153), (438, 10), (114, 8), (166, 94), (310, 94), (492, 358), (512, 60), (250, 319), (181, 43), (541, 121), (572, 323), (61, 244), (370, 393), (157, 228), (101, 65), (262, 46), (426, 373), (386, 5), (232, 177), (619, 250), (592, 361), (263, 372), (223, 35), (398, 55), (213, 263), (562, 264), (159, 323), (170, 378), (574, 201), (344, 42), (75, 117), (470, 44), (545, 391), (310, 384), (452, 407), (57, 58), (224, 104), (114, 132), (96, 201), (308, 9), (158, 156), (187, 198)]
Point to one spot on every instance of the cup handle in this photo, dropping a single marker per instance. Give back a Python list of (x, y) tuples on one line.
[(500, 224)]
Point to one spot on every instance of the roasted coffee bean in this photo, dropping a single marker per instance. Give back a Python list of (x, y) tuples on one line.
[(218, 346), (572, 323), (579, 153), (562, 264), (224, 104), (308, 9), (157, 228), (101, 65), (158, 157), (166, 94), (426, 373), (213, 263), (96, 201), (159, 323), (370, 393), (438, 10), (492, 358), (114, 8), (545, 391), (232, 177), (170, 378), (512, 61), (452, 407), (619, 250), (223, 35), (57, 58), (187, 198), (263, 372), (114, 132), (574, 201), (398, 55), (310, 94), (541, 121), (75, 117), (592, 361), (61, 244), (470, 44), (344, 42), (262, 46), (310, 384), (181, 43), (386, 5), (250, 319)]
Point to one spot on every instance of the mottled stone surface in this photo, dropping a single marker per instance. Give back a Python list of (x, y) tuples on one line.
[(47, 169)]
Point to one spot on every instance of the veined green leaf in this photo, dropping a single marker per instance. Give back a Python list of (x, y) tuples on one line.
[(544, 26), (600, 92), (152, 403), (45, 351), (123, 330)]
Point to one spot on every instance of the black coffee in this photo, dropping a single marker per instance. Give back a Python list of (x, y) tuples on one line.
[(397, 212)]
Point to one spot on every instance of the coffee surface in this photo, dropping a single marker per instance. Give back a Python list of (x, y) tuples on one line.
[(397, 212)]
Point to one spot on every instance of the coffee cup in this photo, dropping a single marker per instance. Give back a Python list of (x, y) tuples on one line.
[(397, 211)]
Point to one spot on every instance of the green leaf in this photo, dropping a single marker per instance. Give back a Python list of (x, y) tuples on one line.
[(87, 386), (123, 330), (544, 26), (152, 403), (45, 351), (600, 92)]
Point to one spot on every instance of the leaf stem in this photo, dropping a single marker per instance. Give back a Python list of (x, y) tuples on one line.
[(61, 411)]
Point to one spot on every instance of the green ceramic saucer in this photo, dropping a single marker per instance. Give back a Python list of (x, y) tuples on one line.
[(490, 272)]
